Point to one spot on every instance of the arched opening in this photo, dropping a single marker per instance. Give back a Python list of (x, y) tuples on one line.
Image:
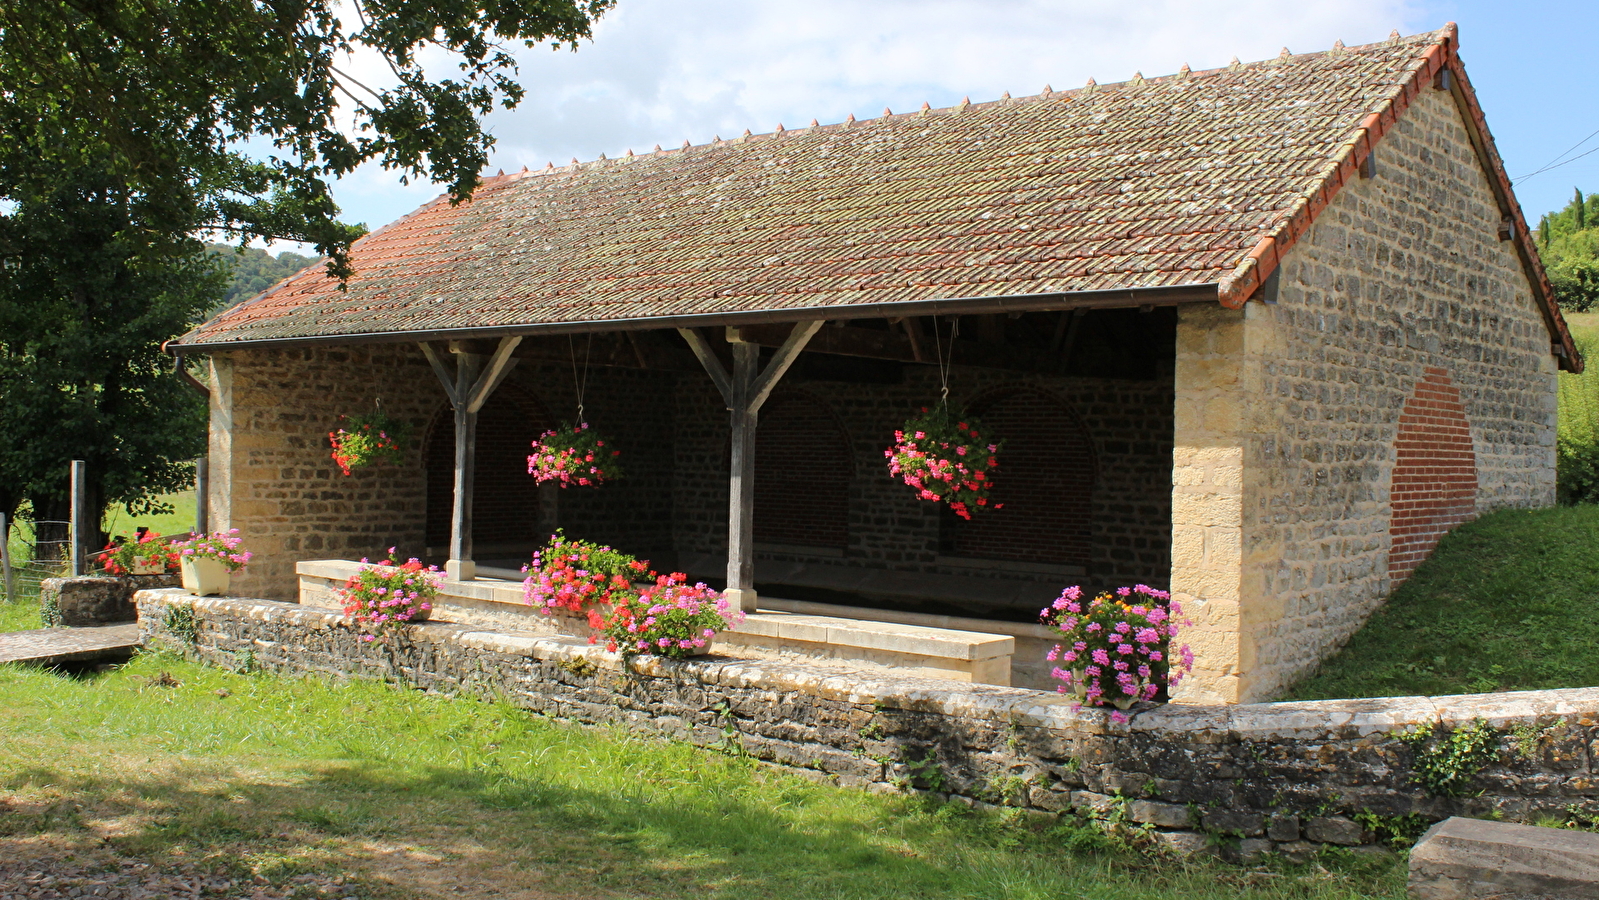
[(1044, 481), (803, 468), (1434, 484), (505, 500)]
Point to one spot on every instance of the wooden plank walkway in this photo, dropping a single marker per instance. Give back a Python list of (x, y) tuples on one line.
[(55, 646)]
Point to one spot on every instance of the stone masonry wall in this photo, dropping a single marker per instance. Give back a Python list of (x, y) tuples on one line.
[(1288, 413), (271, 473), (1287, 778)]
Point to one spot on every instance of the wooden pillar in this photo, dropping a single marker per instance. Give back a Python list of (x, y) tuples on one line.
[(741, 484), (744, 391), (468, 388), (461, 566)]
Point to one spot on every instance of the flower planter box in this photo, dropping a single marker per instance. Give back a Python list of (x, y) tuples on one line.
[(204, 577)]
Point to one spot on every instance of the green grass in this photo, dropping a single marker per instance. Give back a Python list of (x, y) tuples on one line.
[(419, 796), (179, 521), (1508, 602)]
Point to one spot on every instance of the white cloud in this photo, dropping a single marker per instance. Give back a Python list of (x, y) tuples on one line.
[(661, 71)]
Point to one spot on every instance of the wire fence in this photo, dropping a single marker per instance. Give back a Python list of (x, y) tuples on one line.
[(35, 551)]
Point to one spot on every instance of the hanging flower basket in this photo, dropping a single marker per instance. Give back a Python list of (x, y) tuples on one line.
[(362, 440), (1117, 648), (946, 459), (573, 455)]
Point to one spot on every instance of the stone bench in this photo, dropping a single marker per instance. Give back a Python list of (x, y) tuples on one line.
[(919, 650), (1472, 859)]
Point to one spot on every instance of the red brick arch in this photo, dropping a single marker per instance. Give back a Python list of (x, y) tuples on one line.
[(1046, 477), (1434, 484), (505, 499), (803, 470)]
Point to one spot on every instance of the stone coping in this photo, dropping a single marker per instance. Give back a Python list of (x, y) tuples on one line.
[(1299, 721), (838, 631)]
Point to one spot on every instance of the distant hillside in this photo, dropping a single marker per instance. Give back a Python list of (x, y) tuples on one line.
[(255, 270), (1568, 241)]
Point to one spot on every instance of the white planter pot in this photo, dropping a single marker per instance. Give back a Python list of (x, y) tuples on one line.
[(147, 568), (204, 577)]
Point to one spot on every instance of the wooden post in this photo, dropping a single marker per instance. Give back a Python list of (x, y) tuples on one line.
[(5, 558), (81, 526), (202, 495), (741, 484), (744, 391), (460, 565), (468, 388), (549, 509)]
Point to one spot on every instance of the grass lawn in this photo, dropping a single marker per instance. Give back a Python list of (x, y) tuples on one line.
[(1508, 602), (404, 795)]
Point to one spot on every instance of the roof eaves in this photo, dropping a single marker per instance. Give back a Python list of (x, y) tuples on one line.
[(1162, 295)]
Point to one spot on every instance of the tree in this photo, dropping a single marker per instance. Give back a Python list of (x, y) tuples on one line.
[(252, 270), (1568, 242), (89, 293), (128, 127), (167, 95)]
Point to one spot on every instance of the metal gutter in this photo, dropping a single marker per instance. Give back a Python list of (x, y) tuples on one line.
[(1169, 295)]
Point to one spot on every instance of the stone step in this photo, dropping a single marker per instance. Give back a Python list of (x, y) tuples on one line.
[(58, 646), (1473, 859)]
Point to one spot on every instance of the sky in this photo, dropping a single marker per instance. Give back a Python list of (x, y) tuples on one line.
[(665, 71)]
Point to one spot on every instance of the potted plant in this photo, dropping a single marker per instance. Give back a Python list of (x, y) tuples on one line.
[(207, 562), (573, 455), (1117, 648), (946, 459), (576, 576), (368, 439), (142, 554), (670, 618), (386, 596)]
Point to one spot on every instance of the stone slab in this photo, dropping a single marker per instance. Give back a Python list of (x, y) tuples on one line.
[(90, 600), (1473, 859), (57, 646)]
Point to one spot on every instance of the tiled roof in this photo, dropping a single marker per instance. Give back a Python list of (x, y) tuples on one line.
[(1199, 178)]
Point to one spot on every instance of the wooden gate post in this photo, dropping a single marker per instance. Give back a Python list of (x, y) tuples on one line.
[(744, 391), (5, 558), (81, 526)]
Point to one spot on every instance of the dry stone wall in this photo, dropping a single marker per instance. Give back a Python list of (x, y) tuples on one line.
[(1284, 778), (1288, 413)]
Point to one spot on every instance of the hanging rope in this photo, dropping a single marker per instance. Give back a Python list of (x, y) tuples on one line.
[(580, 381), (943, 366)]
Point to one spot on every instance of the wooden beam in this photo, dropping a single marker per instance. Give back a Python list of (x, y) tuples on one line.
[(780, 362), (913, 331), (446, 378), (713, 366), (499, 365), (871, 343), (741, 478)]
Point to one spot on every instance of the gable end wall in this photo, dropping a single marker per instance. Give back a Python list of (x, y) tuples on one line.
[(1285, 452)]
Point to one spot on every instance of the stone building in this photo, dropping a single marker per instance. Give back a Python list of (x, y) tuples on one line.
[(1259, 334)]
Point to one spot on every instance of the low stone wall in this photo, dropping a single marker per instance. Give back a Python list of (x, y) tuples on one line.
[(1285, 777), (90, 600)]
